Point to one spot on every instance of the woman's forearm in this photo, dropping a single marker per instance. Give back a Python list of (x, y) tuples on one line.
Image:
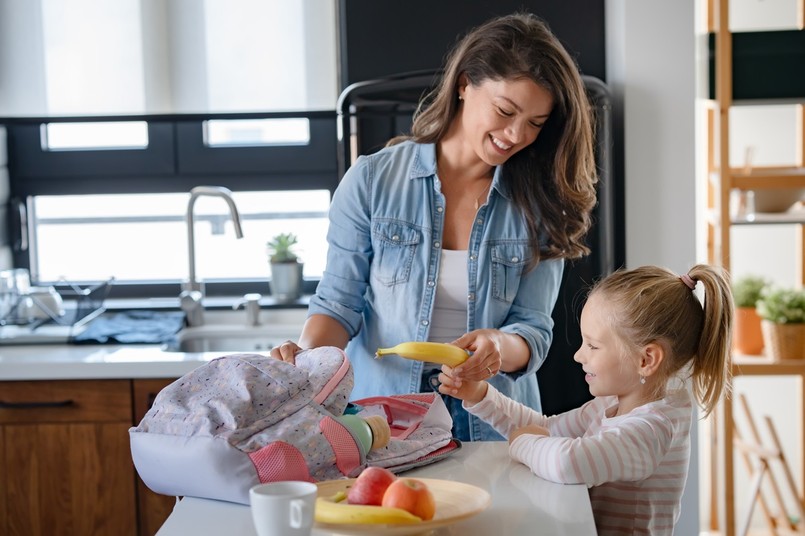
[(514, 352), (323, 330)]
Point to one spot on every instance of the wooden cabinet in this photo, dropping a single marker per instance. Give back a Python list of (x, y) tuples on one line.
[(153, 509), (725, 181), (65, 458)]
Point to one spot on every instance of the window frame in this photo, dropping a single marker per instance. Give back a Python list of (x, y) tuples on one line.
[(176, 160)]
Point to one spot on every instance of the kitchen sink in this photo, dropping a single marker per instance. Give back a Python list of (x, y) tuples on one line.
[(224, 338), (227, 337)]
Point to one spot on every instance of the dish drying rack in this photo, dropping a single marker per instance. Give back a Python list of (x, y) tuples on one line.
[(89, 302), (81, 305)]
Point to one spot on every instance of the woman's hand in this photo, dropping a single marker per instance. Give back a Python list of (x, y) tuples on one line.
[(492, 351), (286, 352), (531, 429), (469, 391), (485, 360)]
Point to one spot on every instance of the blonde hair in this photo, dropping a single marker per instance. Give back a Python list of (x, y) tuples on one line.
[(552, 181), (654, 305)]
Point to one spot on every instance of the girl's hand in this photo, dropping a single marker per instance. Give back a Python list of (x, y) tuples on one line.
[(286, 352), (531, 429), (485, 360), (469, 391)]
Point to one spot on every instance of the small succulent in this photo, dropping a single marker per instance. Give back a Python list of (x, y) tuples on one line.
[(746, 290), (280, 248), (782, 305)]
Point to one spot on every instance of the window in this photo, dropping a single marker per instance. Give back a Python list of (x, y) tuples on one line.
[(120, 212), (138, 238), (101, 57), (109, 135), (112, 123), (256, 132)]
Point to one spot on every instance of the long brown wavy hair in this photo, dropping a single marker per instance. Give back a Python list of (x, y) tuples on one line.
[(555, 176)]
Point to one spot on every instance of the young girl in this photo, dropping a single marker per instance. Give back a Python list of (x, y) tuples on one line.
[(644, 332)]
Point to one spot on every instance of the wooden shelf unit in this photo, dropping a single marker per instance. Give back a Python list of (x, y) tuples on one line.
[(722, 180)]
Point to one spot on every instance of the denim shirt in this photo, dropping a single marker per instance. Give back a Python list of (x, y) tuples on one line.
[(385, 240)]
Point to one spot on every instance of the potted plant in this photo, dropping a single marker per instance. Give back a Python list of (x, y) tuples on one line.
[(747, 337), (782, 311), (286, 268)]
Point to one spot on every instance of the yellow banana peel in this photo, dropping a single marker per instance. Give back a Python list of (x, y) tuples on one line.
[(335, 510), (432, 352)]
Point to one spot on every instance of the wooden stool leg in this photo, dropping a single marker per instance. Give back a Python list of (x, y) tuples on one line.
[(770, 521), (766, 456), (756, 488), (788, 476)]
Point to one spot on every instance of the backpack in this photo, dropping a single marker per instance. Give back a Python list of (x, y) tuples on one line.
[(244, 419)]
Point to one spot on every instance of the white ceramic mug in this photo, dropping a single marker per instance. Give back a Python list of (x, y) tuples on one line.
[(283, 508)]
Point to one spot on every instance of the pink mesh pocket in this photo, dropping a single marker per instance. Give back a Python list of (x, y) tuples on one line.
[(347, 452), (280, 461)]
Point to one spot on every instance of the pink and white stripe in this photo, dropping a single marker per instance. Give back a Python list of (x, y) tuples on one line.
[(635, 464)]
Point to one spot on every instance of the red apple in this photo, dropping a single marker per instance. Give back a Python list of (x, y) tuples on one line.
[(370, 486), (411, 495)]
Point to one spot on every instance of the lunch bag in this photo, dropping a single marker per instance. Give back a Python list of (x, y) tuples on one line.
[(245, 419)]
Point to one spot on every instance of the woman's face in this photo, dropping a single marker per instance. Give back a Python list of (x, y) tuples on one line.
[(501, 117)]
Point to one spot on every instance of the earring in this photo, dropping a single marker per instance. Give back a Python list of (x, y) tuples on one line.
[(642, 380), (460, 97)]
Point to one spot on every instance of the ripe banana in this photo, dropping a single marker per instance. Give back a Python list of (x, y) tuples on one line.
[(432, 352), (336, 510)]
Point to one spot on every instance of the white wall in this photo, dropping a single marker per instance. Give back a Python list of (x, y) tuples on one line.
[(651, 70)]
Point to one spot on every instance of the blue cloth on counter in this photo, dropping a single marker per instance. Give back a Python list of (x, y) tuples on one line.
[(132, 327)]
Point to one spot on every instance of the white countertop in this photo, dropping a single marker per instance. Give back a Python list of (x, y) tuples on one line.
[(83, 362), (521, 502)]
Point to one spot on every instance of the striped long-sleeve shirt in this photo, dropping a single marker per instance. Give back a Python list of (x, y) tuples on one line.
[(635, 464)]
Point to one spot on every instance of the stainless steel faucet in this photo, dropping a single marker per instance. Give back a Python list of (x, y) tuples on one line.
[(250, 302), (192, 293)]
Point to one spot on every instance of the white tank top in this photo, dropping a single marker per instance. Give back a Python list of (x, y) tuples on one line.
[(449, 319)]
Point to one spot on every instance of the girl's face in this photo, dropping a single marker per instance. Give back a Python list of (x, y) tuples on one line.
[(500, 117), (607, 370)]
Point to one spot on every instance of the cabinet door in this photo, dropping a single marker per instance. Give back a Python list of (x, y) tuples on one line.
[(65, 458), (3, 482), (153, 508), (69, 479)]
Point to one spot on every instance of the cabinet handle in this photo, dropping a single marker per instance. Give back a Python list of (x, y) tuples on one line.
[(35, 405)]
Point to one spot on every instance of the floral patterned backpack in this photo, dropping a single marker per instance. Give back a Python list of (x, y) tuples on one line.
[(244, 419)]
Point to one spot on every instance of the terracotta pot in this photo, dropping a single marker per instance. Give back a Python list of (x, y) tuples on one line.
[(747, 338), (784, 341)]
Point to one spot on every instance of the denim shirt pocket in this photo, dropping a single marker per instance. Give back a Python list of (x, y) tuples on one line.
[(395, 244), (509, 259)]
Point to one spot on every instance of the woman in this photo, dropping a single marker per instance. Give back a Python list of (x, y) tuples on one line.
[(458, 232)]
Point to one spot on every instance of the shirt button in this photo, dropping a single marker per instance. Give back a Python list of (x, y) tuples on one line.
[(431, 283), (425, 322), (479, 221), (515, 259), (471, 296), (395, 238), (473, 257), (439, 209), (436, 244)]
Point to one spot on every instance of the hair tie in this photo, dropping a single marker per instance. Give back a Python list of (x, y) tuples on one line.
[(689, 281)]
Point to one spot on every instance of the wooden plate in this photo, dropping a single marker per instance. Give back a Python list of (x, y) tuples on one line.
[(454, 501)]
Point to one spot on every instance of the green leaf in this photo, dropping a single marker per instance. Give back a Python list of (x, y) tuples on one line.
[(280, 248)]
